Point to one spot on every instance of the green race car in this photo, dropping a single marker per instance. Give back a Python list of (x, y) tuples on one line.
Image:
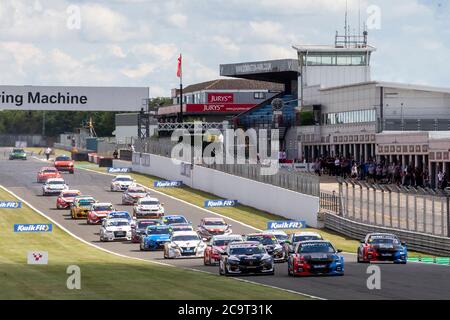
[(18, 154)]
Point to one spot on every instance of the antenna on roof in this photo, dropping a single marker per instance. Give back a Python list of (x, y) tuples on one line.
[(346, 22), (359, 17)]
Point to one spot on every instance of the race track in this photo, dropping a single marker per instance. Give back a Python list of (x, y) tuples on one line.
[(411, 281)]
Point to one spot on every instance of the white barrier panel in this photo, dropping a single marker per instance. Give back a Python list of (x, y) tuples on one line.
[(276, 200)]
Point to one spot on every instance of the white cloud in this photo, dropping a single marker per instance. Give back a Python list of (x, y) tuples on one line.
[(177, 20), (140, 71)]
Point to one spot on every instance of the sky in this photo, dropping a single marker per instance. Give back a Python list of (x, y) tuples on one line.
[(137, 42)]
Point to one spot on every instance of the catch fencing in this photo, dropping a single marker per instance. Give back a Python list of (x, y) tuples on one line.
[(418, 210)]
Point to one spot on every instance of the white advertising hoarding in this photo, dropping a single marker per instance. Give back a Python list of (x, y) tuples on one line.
[(73, 98)]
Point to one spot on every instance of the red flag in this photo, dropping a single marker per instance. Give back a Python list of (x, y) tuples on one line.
[(179, 67)]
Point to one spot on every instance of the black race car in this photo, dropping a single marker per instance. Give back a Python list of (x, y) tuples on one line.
[(247, 257)]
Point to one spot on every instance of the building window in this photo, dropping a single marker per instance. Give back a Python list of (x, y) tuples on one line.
[(259, 95), (350, 117)]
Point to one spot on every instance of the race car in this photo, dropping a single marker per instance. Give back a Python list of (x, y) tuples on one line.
[(80, 206), (64, 163), (171, 219), (115, 229), (133, 194), (181, 227), (121, 215), (315, 257), (121, 183), (216, 246), (141, 225), (98, 211), (148, 208), (244, 258), (281, 236), (382, 247), (271, 245), (155, 237), (47, 173), (66, 197), (54, 186), (17, 153), (209, 227), (295, 238), (184, 244)]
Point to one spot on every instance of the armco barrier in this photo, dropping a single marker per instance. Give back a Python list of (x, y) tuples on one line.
[(414, 240)]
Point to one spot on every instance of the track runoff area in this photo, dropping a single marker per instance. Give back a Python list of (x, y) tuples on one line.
[(410, 281)]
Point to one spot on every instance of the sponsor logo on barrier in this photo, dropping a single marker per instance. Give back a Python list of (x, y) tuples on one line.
[(119, 170), (275, 225), (33, 228), (167, 184), (37, 257), (220, 203), (10, 204)]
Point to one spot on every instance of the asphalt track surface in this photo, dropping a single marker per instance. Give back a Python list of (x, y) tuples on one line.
[(411, 281)]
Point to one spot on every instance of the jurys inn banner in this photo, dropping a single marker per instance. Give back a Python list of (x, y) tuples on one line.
[(73, 98)]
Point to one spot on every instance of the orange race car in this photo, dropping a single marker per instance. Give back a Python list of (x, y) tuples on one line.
[(64, 163), (47, 173)]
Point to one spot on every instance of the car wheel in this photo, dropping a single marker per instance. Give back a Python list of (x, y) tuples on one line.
[(220, 268), (141, 248), (71, 172), (205, 261)]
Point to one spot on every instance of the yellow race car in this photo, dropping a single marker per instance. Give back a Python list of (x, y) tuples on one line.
[(81, 206)]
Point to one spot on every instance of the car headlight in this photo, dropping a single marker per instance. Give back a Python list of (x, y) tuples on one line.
[(174, 246), (233, 260), (267, 259)]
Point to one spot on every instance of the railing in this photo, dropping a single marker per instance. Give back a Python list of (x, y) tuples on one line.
[(171, 126), (411, 209), (330, 202)]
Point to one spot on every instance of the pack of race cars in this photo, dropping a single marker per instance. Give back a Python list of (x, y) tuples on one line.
[(306, 253)]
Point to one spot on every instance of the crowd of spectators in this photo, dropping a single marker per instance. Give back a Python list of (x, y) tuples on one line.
[(380, 172)]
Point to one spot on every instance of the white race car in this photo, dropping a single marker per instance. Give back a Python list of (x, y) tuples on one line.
[(115, 229), (184, 244), (121, 183), (54, 186), (148, 208), (133, 194)]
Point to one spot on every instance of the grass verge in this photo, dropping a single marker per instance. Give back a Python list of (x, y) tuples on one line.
[(103, 275)]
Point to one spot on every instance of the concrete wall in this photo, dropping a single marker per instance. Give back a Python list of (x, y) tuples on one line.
[(275, 200)]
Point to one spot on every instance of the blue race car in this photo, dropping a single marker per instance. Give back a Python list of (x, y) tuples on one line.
[(155, 237), (382, 247), (315, 257), (171, 219)]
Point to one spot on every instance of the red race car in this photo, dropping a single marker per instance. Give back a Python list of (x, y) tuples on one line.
[(47, 173), (65, 199), (98, 212), (64, 163), (216, 246)]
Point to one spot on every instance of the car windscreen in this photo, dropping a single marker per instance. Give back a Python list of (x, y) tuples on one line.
[(103, 208), (62, 158), (321, 247), (56, 182), (49, 171), (136, 191), (117, 223), (246, 250), (281, 237), (215, 223), (186, 238), (70, 195), (145, 224), (383, 240), (158, 231), (305, 238), (123, 179), (265, 240), (182, 228), (222, 243), (121, 216), (175, 220), (18, 151), (86, 202), (149, 203)]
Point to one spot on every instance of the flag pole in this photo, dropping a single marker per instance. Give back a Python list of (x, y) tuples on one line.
[(181, 90)]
